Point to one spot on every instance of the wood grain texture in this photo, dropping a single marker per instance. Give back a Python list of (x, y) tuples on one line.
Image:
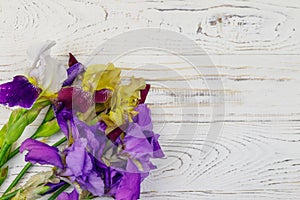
[(253, 45)]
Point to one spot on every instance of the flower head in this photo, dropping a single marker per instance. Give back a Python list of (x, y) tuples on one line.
[(45, 78)]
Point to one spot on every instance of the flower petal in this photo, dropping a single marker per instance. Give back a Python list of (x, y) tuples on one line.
[(129, 188), (96, 140), (66, 196), (48, 72), (64, 116), (74, 98), (39, 152), (19, 92), (101, 96), (73, 72), (93, 184), (157, 151), (143, 118), (72, 60), (144, 94), (53, 187), (78, 160)]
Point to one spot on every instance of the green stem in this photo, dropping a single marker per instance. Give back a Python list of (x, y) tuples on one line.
[(59, 142), (27, 166), (59, 191), (3, 153), (10, 195), (18, 178)]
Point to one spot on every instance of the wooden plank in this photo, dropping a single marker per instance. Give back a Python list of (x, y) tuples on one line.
[(219, 27), (254, 46)]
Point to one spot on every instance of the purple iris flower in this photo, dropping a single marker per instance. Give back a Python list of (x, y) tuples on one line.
[(66, 196), (39, 152), (78, 165), (73, 71), (129, 187), (140, 141), (79, 168), (75, 68), (95, 137), (19, 92), (53, 187)]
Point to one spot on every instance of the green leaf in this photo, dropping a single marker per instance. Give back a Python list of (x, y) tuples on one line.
[(20, 122), (3, 174), (47, 129)]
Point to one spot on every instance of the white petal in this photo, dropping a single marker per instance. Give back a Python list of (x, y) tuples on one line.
[(48, 72), (38, 49)]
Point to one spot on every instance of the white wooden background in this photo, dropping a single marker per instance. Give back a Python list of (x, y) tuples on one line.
[(253, 44)]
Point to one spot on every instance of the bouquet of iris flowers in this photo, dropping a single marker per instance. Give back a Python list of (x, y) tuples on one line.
[(108, 138)]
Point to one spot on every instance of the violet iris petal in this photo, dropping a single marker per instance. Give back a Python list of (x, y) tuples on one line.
[(137, 145), (96, 140), (93, 183), (73, 72), (66, 196), (129, 187), (140, 141), (75, 98), (19, 92), (157, 151), (64, 116), (78, 161), (39, 152), (143, 118), (102, 126), (80, 168)]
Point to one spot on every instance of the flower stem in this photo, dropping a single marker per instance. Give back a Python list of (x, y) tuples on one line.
[(59, 142), (18, 178), (27, 166), (10, 195), (59, 191)]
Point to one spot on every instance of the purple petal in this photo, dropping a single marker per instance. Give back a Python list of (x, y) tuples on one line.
[(53, 187), (73, 72), (75, 98), (137, 146), (129, 188), (93, 183), (66, 196), (101, 96), (96, 139), (102, 126), (64, 116), (78, 160), (143, 118), (39, 152), (19, 92), (157, 151)]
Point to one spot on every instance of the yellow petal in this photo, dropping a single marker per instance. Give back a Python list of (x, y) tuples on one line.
[(99, 76)]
